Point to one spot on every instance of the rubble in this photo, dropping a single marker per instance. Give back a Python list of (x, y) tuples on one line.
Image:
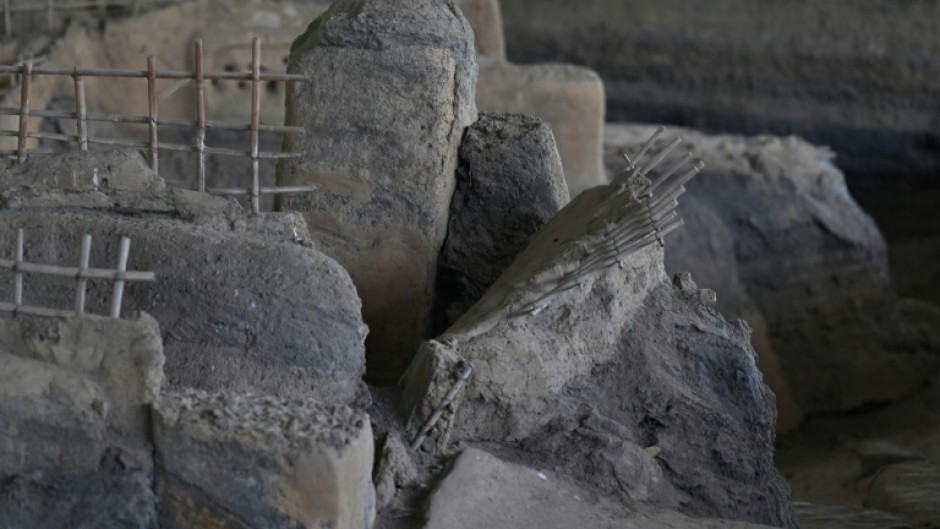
[(382, 159), (260, 461), (587, 377), (395, 469), (509, 183)]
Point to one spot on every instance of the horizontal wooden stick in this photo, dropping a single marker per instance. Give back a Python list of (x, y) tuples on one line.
[(12, 308), (74, 272), (121, 118), (13, 152), (178, 147), (160, 74), (73, 6), (237, 191)]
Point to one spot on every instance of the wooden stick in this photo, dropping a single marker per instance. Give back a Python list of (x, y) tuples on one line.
[(119, 143), (236, 191), (101, 5), (17, 272), (117, 296), (7, 26), (279, 155), (41, 135), (34, 311), (662, 188), (82, 285), (646, 146), (80, 113), (161, 74), (50, 17), (24, 111), (661, 156), (121, 118), (255, 121), (152, 106), (462, 378), (200, 119), (674, 168), (72, 272), (135, 8)]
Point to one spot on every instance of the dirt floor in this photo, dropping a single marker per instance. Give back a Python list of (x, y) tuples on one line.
[(824, 461)]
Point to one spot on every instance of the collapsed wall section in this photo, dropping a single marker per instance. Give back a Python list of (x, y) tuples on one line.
[(243, 301), (390, 94), (620, 379)]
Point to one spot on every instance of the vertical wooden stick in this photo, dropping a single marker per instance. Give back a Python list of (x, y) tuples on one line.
[(80, 112), (17, 274), (117, 296), (200, 118), (50, 17), (152, 100), (82, 285), (255, 122), (135, 8), (24, 111), (7, 25)]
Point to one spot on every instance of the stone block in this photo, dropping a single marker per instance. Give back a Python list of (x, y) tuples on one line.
[(570, 98), (242, 461), (509, 183), (389, 97)]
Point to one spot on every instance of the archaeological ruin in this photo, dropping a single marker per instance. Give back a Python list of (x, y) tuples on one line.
[(467, 264)]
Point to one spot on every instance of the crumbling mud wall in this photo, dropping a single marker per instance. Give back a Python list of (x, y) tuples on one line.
[(91, 437), (168, 32), (245, 302)]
